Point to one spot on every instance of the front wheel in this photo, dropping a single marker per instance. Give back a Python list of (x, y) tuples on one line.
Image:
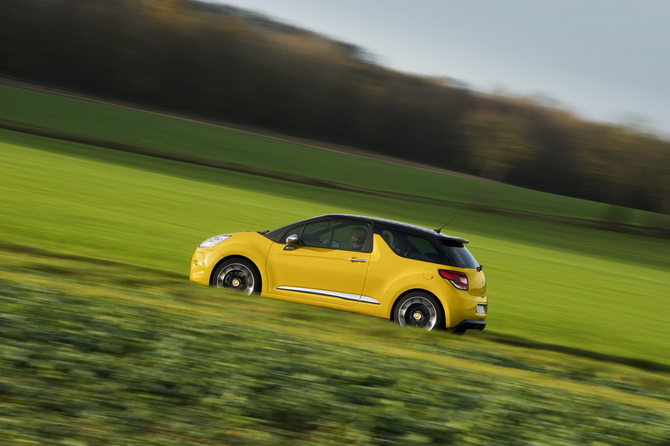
[(237, 274), (420, 310)]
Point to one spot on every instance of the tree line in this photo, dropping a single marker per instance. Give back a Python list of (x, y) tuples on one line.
[(230, 64)]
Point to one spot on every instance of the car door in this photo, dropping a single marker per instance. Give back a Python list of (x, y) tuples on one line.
[(329, 265)]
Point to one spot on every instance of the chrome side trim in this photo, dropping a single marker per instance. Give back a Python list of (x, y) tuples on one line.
[(369, 300), (344, 296)]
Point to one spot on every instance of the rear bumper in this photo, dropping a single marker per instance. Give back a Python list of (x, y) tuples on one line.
[(469, 324)]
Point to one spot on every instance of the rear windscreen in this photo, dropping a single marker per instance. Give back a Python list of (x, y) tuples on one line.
[(455, 254), (434, 250)]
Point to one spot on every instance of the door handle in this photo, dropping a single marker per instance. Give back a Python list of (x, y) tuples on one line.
[(353, 259)]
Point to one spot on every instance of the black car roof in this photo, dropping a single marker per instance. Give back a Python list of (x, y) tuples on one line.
[(392, 224)]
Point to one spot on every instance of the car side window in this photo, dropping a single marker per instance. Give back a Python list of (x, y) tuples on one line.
[(296, 229), (410, 246), (424, 250), (398, 241), (336, 234), (387, 236)]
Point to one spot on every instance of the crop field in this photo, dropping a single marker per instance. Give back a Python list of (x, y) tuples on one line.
[(94, 251)]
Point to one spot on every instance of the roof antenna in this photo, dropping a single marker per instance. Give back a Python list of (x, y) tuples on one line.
[(445, 225)]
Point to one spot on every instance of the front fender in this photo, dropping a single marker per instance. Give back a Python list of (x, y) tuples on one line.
[(250, 245)]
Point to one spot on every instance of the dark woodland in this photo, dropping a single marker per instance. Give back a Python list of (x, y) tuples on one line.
[(228, 64)]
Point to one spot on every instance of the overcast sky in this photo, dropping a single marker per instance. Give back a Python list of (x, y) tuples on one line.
[(605, 60)]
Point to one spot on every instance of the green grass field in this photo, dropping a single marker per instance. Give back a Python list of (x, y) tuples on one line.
[(193, 138), (106, 228), (98, 352)]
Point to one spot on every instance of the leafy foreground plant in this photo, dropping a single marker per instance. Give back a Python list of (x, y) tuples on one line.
[(87, 356)]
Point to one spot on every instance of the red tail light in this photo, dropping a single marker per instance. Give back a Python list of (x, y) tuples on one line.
[(457, 279)]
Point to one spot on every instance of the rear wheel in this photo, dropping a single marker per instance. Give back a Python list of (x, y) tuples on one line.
[(237, 274), (420, 310)]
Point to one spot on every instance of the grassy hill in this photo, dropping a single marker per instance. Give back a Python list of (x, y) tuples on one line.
[(99, 352), (102, 330)]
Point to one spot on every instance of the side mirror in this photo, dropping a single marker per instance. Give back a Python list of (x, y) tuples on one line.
[(291, 242)]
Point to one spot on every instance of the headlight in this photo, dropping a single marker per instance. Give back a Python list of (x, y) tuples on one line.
[(213, 241)]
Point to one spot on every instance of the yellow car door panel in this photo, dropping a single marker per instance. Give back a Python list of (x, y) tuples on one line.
[(325, 275)]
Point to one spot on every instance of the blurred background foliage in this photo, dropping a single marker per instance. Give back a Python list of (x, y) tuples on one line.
[(224, 63), (92, 353)]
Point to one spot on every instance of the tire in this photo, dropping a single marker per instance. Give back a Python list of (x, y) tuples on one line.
[(419, 310), (237, 274)]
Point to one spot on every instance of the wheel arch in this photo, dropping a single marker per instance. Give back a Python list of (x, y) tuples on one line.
[(232, 257), (445, 315)]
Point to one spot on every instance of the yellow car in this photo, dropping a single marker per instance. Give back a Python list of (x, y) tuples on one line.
[(414, 276)]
